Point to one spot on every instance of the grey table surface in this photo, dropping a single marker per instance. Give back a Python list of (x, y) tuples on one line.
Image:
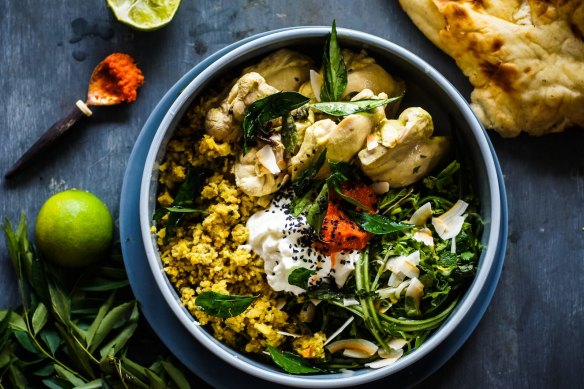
[(532, 335)]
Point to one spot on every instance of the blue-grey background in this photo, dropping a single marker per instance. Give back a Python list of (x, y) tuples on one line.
[(532, 334)]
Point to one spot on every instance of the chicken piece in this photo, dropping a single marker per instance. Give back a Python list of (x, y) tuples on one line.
[(364, 73), (342, 141), (406, 150), (284, 69), (224, 123), (253, 178)]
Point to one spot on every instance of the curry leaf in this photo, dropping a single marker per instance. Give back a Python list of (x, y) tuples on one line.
[(176, 375), (265, 109), (289, 133), (376, 224), (119, 341), (305, 180), (111, 319), (291, 363), (317, 210), (68, 376), (51, 339), (39, 318), (344, 108), (334, 68), (300, 276), (223, 305), (26, 342)]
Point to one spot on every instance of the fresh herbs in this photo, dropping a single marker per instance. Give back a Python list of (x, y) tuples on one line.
[(306, 179), (316, 211), (289, 133), (184, 201), (266, 109), (223, 305), (291, 363), (335, 71), (74, 329), (376, 224), (344, 108), (300, 277)]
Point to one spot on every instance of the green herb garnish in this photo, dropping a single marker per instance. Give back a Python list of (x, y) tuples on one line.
[(376, 224), (184, 200), (335, 71), (266, 109), (223, 305), (303, 182), (344, 108), (300, 276), (316, 211), (291, 363), (289, 133)]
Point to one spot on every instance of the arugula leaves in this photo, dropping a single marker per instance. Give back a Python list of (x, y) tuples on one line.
[(266, 109), (344, 108), (223, 305), (376, 224), (334, 68)]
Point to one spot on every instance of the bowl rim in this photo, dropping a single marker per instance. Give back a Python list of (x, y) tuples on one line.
[(232, 357)]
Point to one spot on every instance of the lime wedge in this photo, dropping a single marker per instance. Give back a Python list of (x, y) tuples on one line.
[(145, 15)]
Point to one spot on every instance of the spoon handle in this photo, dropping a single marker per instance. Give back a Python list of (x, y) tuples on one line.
[(49, 137)]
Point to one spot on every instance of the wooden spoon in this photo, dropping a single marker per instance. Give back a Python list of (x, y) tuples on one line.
[(113, 81)]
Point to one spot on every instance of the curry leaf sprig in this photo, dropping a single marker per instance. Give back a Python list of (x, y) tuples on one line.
[(334, 69), (73, 334)]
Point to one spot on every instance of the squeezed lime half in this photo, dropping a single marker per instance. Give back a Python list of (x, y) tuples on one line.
[(144, 15)]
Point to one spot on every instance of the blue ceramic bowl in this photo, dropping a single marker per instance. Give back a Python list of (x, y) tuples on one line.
[(426, 88)]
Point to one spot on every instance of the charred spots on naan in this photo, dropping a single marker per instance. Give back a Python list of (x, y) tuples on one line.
[(501, 74), (496, 44), (578, 33)]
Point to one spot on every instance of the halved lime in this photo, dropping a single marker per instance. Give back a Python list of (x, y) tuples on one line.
[(145, 15)]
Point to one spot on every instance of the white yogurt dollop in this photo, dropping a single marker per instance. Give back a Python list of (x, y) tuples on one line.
[(284, 242)]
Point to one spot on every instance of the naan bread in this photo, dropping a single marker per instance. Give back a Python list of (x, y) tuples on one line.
[(525, 58)]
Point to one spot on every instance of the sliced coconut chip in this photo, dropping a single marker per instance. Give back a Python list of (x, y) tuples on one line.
[(350, 353), (393, 293), (267, 158), (395, 279), (449, 224), (341, 328), (288, 334), (405, 265), (395, 344), (387, 358), (414, 294), (359, 345), (422, 214), (316, 83), (380, 187), (425, 236), (372, 141), (350, 301)]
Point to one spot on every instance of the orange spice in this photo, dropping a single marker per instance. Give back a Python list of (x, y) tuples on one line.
[(118, 75), (338, 232)]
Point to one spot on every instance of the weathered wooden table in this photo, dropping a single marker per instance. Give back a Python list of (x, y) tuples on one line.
[(532, 335)]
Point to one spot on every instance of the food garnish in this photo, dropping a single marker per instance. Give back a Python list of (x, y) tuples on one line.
[(339, 206)]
